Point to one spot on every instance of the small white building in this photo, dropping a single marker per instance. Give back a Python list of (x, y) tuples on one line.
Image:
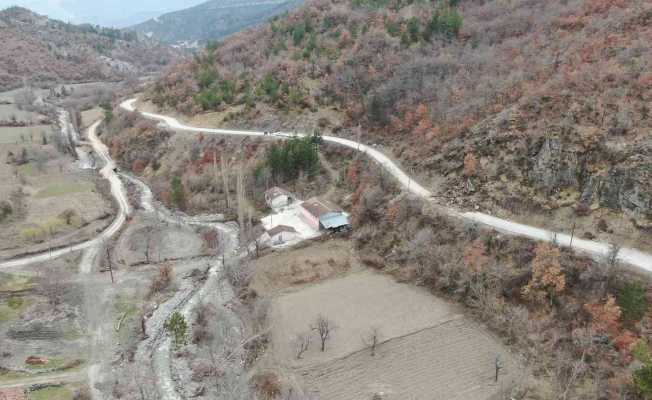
[(279, 235), (278, 198)]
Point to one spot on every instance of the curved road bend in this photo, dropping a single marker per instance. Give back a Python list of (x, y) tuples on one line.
[(630, 256), (118, 192)]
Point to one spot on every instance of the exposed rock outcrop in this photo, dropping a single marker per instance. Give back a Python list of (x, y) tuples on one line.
[(628, 188), (554, 167)]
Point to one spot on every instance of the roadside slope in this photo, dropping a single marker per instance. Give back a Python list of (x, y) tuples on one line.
[(630, 256)]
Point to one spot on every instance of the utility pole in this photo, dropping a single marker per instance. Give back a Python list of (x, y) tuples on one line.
[(359, 133), (499, 366), (108, 257)]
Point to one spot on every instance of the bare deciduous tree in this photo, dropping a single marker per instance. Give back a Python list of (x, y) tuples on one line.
[(241, 203), (323, 326), (225, 180), (54, 286), (372, 339), (567, 372), (301, 344), (612, 255), (149, 243)]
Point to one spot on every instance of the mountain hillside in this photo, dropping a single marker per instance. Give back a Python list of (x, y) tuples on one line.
[(42, 50), (539, 111), (212, 20)]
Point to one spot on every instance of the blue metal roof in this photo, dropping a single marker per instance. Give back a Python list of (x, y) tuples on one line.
[(334, 220)]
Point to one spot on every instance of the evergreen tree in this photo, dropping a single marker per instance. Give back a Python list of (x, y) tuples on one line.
[(177, 327), (178, 193)]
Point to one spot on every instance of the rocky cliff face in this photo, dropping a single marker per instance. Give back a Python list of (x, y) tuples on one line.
[(555, 167), (628, 188), (624, 186)]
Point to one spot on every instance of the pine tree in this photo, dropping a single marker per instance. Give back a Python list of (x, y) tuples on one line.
[(178, 193), (178, 327)]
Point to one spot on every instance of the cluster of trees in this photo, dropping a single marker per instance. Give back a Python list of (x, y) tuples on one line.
[(218, 91), (445, 23), (323, 326), (214, 91), (288, 160)]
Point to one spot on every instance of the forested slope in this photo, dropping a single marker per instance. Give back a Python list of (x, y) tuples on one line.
[(211, 20), (42, 50), (522, 108)]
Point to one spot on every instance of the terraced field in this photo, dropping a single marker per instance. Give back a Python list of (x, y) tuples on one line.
[(428, 350), (455, 360)]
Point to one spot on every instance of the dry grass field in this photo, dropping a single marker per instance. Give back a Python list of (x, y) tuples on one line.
[(427, 349), (41, 185), (90, 116), (301, 266), (160, 242)]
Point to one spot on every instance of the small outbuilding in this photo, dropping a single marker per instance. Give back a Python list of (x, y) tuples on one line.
[(279, 235), (334, 222), (312, 210), (277, 197), (322, 215)]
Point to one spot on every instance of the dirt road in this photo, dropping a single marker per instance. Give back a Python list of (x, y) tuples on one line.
[(630, 256)]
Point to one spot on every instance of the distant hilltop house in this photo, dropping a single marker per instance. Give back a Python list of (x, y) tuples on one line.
[(321, 214), (277, 198), (279, 235)]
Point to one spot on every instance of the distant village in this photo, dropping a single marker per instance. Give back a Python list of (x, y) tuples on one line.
[(293, 220)]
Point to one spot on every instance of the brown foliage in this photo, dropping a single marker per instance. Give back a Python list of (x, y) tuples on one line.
[(470, 164), (475, 258), (204, 316), (162, 280), (605, 317), (211, 239), (624, 343), (268, 385), (548, 280), (138, 166), (353, 174)]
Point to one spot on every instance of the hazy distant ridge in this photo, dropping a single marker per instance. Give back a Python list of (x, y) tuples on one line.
[(212, 20)]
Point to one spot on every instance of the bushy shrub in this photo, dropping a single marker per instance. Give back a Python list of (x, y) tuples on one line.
[(162, 280), (643, 380), (632, 302), (178, 328), (5, 210), (178, 193)]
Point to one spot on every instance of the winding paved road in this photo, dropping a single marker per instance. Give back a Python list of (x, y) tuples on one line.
[(119, 194), (629, 256)]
